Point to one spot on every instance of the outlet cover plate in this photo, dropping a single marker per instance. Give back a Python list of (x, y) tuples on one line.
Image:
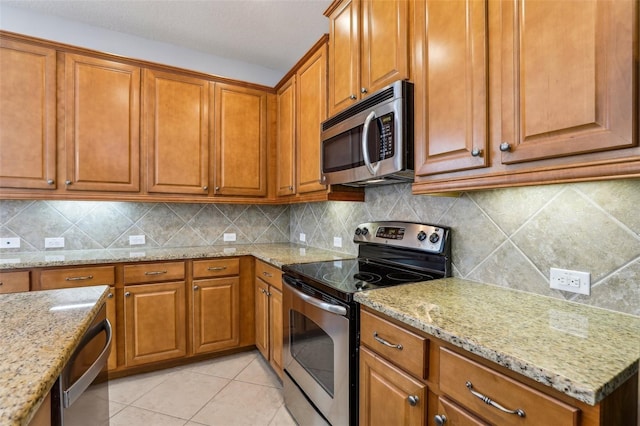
[(54, 242), (137, 240), (9, 242), (572, 281), (229, 236), (337, 241)]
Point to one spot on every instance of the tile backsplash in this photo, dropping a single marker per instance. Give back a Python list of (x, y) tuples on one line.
[(510, 237)]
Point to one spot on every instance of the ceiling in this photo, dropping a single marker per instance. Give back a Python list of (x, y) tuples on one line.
[(273, 34)]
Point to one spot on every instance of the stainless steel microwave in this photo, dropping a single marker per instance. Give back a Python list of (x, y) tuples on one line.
[(371, 142)]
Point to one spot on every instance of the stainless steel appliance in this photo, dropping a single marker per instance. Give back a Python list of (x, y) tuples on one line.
[(371, 142), (77, 397), (321, 321)]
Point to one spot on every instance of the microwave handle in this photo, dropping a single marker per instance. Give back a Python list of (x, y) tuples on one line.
[(365, 152)]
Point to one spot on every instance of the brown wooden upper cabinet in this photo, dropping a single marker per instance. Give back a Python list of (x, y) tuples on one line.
[(368, 48), (27, 116), (508, 98), (101, 124), (240, 135), (176, 133), (286, 138)]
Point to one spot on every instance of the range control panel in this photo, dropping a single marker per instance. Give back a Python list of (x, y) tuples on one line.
[(420, 236)]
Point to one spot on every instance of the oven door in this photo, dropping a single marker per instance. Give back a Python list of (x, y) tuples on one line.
[(316, 355)]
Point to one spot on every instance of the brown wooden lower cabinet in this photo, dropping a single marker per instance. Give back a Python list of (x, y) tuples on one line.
[(13, 282), (391, 395), (215, 313), (268, 311)]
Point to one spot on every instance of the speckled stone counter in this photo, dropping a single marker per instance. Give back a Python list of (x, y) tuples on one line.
[(38, 333), (276, 254), (582, 351)]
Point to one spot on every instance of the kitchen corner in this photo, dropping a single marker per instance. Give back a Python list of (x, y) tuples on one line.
[(38, 333)]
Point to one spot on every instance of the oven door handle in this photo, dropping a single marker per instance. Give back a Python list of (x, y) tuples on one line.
[(328, 307)]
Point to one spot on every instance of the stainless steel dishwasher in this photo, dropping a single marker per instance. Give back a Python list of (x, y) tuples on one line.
[(80, 396)]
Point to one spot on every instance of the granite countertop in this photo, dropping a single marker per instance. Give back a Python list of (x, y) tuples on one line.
[(37, 337), (582, 351), (277, 254)]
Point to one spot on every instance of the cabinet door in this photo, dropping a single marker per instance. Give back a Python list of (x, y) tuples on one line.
[(386, 394), (27, 116), (112, 362), (451, 90), (568, 75), (102, 124), (344, 56), (275, 332), (176, 133), (216, 320), (155, 325), (286, 137), (385, 43), (312, 110), (240, 141), (262, 317)]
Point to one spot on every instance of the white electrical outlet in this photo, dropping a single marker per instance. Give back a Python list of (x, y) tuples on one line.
[(337, 241), (135, 240), (229, 236), (303, 237), (9, 242), (54, 242), (572, 281)]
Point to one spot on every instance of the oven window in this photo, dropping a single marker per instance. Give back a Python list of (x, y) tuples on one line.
[(312, 348)]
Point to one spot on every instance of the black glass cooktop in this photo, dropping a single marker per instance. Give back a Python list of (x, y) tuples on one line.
[(342, 278)]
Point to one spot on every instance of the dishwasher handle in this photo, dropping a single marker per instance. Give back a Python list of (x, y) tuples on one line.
[(328, 307), (73, 392)]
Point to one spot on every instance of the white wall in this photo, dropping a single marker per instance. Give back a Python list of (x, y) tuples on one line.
[(78, 34)]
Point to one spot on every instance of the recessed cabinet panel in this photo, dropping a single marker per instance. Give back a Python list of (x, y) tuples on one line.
[(286, 137), (240, 140), (570, 83), (102, 130), (451, 89), (176, 133), (27, 116), (216, 322)]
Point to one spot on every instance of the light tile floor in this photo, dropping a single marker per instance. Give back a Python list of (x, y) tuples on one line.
[(234, 390)]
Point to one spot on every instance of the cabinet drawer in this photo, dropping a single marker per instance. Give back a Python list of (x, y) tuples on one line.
[(456, 415), (216, 268), (539, 409), (13, 282), (269, 274), (404, 348), (77, 277), (153, 272)]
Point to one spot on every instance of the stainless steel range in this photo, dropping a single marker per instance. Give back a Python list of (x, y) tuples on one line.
[(321, 320)]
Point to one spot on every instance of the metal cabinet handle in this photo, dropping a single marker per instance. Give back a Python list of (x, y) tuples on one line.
[(413, 400), (195, 287), (50, 181), (216, 268), (127, 294), (505, 146), (363, 90), (290, 188), (1, 283), (353, 97), (267, 274), (83, 278), (384, 342), (475, 152), (110, 296), (204, 188), (440, 419), (155, 272), (67, 182), (217, 188), (492, 403)]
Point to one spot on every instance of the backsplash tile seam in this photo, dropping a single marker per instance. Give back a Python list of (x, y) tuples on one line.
[(614, 272), (609, 215)]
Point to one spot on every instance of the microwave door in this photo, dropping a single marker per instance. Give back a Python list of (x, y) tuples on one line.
[(373, 168)]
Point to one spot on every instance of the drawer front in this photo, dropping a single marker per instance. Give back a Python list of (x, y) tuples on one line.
[(216, 268), (77, 277), (154, 272), (404, 348), (13, 282), (454, 415), (269, 274), (539, 409)]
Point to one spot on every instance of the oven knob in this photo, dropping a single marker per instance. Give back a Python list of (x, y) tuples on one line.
[(422, 236), (434, 238), (365, 231), (358, 231)]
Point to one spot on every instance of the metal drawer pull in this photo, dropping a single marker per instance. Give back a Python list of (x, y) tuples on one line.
[(216, 268), (413, 400), (155, 272), (440, 419), (494, 404), (266, 274), (384, 342), (87, 277)]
